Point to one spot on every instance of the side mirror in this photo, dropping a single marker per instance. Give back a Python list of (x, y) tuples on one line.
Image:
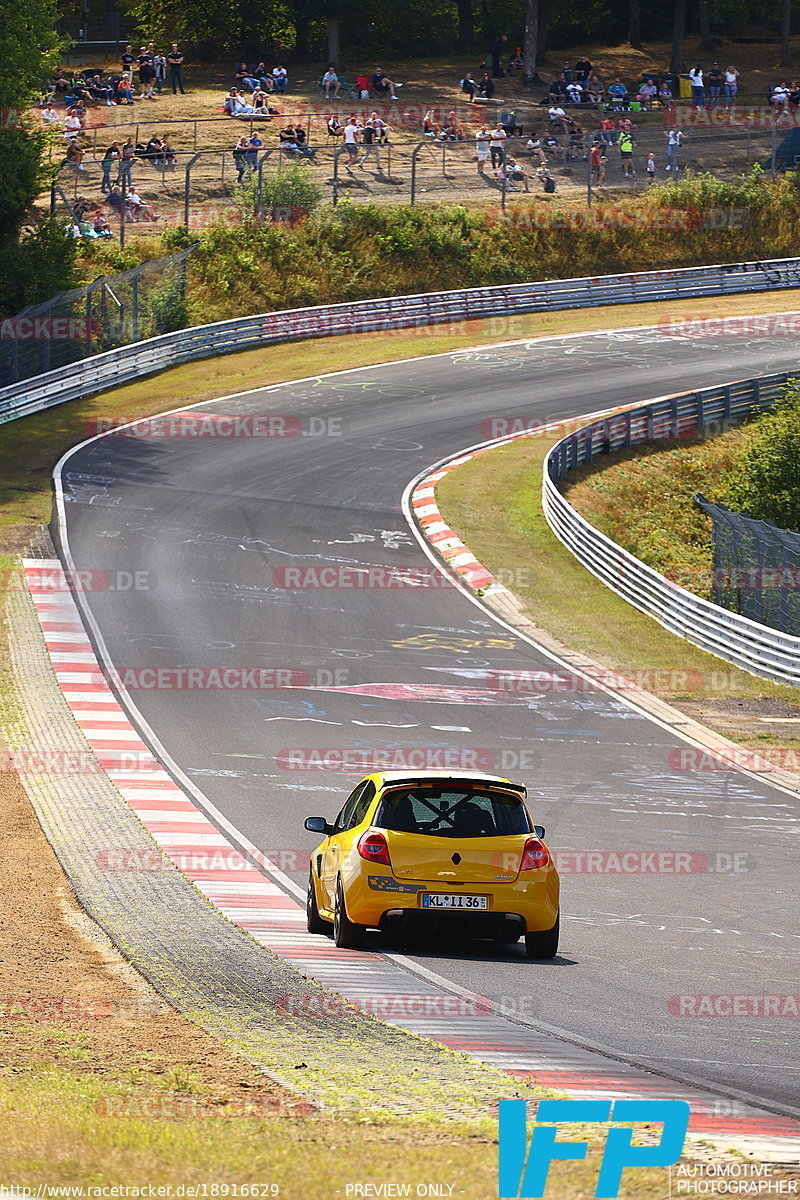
[(317, 825), (539, 830)]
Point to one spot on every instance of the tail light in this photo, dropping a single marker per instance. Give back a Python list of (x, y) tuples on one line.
[(534, 855), (372, 846)]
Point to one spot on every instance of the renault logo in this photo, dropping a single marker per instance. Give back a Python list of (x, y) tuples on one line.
[(456, 858)]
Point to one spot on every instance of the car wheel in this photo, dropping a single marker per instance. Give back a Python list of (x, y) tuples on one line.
[(346, 935), (314, 922), (544, 944), (506, 939)]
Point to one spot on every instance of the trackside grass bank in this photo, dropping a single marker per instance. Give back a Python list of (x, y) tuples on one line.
[(358, 251)]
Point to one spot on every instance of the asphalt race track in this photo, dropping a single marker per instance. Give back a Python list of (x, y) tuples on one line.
[(214, 523)]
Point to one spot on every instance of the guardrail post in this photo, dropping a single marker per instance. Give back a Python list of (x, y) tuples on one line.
[(628, 421), (700, 409), (336, 156), (414, 156), (757, 392)]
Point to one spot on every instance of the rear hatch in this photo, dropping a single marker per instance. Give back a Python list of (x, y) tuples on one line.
[(444, 860)]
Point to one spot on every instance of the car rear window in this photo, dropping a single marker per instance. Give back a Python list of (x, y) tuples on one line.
[(459, 813)]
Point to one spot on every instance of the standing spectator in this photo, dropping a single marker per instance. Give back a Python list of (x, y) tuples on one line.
[(127, 59), (126, 156), (498, 49), (583, 70), (110, 157), (381, 84), (626, 153), (254, 144), (674, 139), (486, 86), (714, 80), (175, 63), (482, 148), (497, 143), (369, 136), (280, 79), (240, 158), (142, 60), (566, 72), (469, 86), (698, 88), (351, 132), (601, 178), (651, 169), (330, 82), (594, 162), (160, 68), (731, 85)]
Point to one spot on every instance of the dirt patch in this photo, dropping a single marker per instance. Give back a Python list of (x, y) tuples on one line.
[(69, 1002)]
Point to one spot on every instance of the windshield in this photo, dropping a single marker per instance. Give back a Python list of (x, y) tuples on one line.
[(458, 813)]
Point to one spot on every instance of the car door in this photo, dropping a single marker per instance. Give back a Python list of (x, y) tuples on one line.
[(336, 845)]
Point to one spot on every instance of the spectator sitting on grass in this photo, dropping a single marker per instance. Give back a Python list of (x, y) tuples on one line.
[(469, 86), (261, 105), (50, 115), (330, 82), (235, 106), (100, 226), (486, 86), (558, 89), (515, 61), (382, 85), (280, 79), (115, 198), (451, 132), (514, 171), (430, 127)]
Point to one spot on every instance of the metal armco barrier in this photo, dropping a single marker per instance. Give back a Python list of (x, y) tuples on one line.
[(130, 362), (756, 648)]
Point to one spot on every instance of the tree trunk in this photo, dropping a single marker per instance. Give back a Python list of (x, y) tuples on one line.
[(530, 47), (635, 24), (544, 24), (786, 22), (466, 25), (302, 51), (333, 40), (678, 35), (706, 40)]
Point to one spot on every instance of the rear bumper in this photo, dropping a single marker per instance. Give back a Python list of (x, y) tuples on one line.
[(527, 905)]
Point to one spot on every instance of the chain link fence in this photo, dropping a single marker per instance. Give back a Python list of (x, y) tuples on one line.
[(756, 568), (111, 311)]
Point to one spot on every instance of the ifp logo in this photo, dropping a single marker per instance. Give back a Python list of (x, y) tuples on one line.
[(523, 1169)]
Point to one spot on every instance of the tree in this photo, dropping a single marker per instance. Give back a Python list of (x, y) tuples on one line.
[(466, 24), (635, 24), (765, 483), (704, 20), (786, 24), (678, 36), (530, 45)]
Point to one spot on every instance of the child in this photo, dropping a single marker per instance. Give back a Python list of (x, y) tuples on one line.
[(651, 169)]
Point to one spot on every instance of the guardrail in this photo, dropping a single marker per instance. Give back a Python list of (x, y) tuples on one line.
[(756, 648), (126, 363)]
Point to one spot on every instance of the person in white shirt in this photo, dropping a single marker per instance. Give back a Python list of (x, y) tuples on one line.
[(559, 117), (50, 116), (574, 92), (351, 132), (497, 143), (780, 97), (280, 79), (731, 85), (73, 125), (674, 139), (698, 91), (482, 148)]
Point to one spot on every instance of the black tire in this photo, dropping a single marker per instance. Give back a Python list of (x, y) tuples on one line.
[(314, 922), (544, 944), (346, 935), (506, 939)]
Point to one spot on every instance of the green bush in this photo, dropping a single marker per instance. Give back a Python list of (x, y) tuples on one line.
[(765, 483)]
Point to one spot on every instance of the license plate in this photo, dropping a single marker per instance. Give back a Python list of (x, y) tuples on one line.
[(453, 900)]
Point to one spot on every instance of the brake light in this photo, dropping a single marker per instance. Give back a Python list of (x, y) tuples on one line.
[(534, 855), (372, 846)]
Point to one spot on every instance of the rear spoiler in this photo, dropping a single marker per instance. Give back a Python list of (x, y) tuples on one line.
[(440, 779)]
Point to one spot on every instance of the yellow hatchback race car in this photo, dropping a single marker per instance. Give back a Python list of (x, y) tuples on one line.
[(453, 854)]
